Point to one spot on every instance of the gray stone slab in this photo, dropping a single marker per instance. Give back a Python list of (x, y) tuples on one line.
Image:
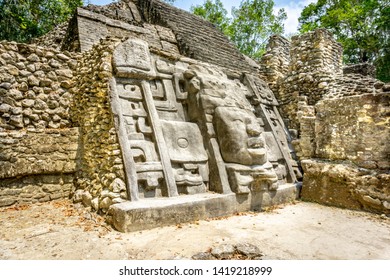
[(151, 213)]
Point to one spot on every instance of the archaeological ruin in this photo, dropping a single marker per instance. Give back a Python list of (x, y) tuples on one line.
[(148, 115)]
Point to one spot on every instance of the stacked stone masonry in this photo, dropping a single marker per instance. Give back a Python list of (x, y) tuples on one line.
[(197, 38), (39, 146), (34, 87), (135, 120), (37, 166), (340, 119), (100, 178)]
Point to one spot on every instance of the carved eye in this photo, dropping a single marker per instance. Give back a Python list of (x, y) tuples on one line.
[(182, 143)]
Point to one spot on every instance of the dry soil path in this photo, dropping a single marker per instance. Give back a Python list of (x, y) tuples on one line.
[(59, 230)]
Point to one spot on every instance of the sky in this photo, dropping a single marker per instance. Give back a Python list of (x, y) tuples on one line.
[(292, 8)]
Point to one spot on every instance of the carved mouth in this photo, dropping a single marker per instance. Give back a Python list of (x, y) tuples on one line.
[(257, 151), (255, 143)]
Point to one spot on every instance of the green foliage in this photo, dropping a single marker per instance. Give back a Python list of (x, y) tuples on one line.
[(253, 23), (214, 12), (250, 25), (361, 26), (22, 20)]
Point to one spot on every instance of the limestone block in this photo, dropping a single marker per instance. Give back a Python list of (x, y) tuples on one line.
[(345, 186), (7, 201), (184, 141), (118, 185), (132, 59)]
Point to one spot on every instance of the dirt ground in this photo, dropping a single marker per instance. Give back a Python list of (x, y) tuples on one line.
[(60, 230)]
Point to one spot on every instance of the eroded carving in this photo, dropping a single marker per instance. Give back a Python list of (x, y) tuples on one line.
[(132, 59), (186, 150), (240, 136), (192, 129), (222, 106)]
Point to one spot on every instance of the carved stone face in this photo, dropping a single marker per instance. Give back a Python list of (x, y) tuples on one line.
[(239, 136)]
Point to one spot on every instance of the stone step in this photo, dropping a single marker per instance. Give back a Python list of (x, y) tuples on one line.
[(151, 213)]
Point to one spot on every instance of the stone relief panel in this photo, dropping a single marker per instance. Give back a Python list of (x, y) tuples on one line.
[(166, 151), (234, 133), (278, 144), (186, 150), (190, 129), (132, 59)]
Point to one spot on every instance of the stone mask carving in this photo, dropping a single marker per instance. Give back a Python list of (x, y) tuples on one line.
[(239, 136)]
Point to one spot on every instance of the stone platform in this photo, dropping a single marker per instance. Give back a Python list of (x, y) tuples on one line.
[(151, 213)]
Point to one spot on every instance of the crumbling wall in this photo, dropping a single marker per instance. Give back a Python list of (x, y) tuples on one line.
[(354, 128), (344, 185), (316, 59), (101, 179), (350, 135), (342, 120), (37, 166), (38, 142), (34, 87), (54, 39), (274, 64)]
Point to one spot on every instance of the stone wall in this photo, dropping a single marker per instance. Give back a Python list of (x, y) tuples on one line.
[(37, 166), (91, 26), (342, 120), (348, 135), (54, 39), (275, 62), (354, 128), (101, 179), (38, 142), (34, 87), (316, 59), (344, 185)]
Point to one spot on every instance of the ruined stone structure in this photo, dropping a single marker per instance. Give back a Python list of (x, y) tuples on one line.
[(340, 118), (148, 114)]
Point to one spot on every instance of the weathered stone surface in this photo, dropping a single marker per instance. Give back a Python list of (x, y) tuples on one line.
[(35, 188), (32, 86), (203, 256), (240, 138), (354, 128), (161, 212), (341, 118), (223, 251), (189, 139), (248, 250), (346, 186), (242, 251), (132, 58), (38, 153)]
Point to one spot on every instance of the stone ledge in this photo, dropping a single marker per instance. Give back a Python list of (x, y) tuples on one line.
[(111, 22), (152, 213)]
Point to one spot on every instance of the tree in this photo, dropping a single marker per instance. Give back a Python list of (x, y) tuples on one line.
[(250, 26), (214, 12), (361, 26), (22, 20), (253, 23)]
